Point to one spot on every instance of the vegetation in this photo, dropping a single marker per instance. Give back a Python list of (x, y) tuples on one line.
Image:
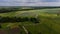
[(41, 21), (18, 19)]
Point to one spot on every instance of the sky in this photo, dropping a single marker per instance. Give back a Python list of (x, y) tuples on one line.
[(29, 2), (49, 0)]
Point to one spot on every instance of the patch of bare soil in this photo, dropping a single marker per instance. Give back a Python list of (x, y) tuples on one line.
[(3, 31), (14, 31)]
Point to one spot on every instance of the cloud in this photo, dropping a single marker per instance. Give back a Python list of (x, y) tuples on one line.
[(29, 2), (49, 0)]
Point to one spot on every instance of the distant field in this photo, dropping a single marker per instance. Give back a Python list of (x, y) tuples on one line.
[(49, 23)]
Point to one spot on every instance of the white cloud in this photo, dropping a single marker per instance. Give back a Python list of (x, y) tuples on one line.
[(25, 3)]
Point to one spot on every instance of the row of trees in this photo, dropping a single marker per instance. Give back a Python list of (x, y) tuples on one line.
[(3, 10), (18, 19)]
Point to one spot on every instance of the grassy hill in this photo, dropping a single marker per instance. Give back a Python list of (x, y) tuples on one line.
[(49, 21)]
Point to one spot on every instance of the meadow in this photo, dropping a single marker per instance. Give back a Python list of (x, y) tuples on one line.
[(49, 21)]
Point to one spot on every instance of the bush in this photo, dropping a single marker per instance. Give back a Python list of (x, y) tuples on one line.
[(18, 19)]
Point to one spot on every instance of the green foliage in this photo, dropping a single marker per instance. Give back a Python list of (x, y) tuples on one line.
[(18, 19), (48, 23)]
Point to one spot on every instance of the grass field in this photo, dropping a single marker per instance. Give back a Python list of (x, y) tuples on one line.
[(49, 22)]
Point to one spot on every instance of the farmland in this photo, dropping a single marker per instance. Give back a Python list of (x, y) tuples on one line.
[(49, 21)]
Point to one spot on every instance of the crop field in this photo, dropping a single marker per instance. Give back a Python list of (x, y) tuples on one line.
[(49, 21)]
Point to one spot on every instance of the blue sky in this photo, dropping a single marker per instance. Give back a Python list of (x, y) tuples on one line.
[(29, 2)]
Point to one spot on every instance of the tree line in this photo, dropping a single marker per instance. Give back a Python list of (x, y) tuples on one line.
[(3, 10), (10, 9), (18, 19)]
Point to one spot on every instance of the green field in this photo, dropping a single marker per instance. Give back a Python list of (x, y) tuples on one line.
[(49, 22)]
